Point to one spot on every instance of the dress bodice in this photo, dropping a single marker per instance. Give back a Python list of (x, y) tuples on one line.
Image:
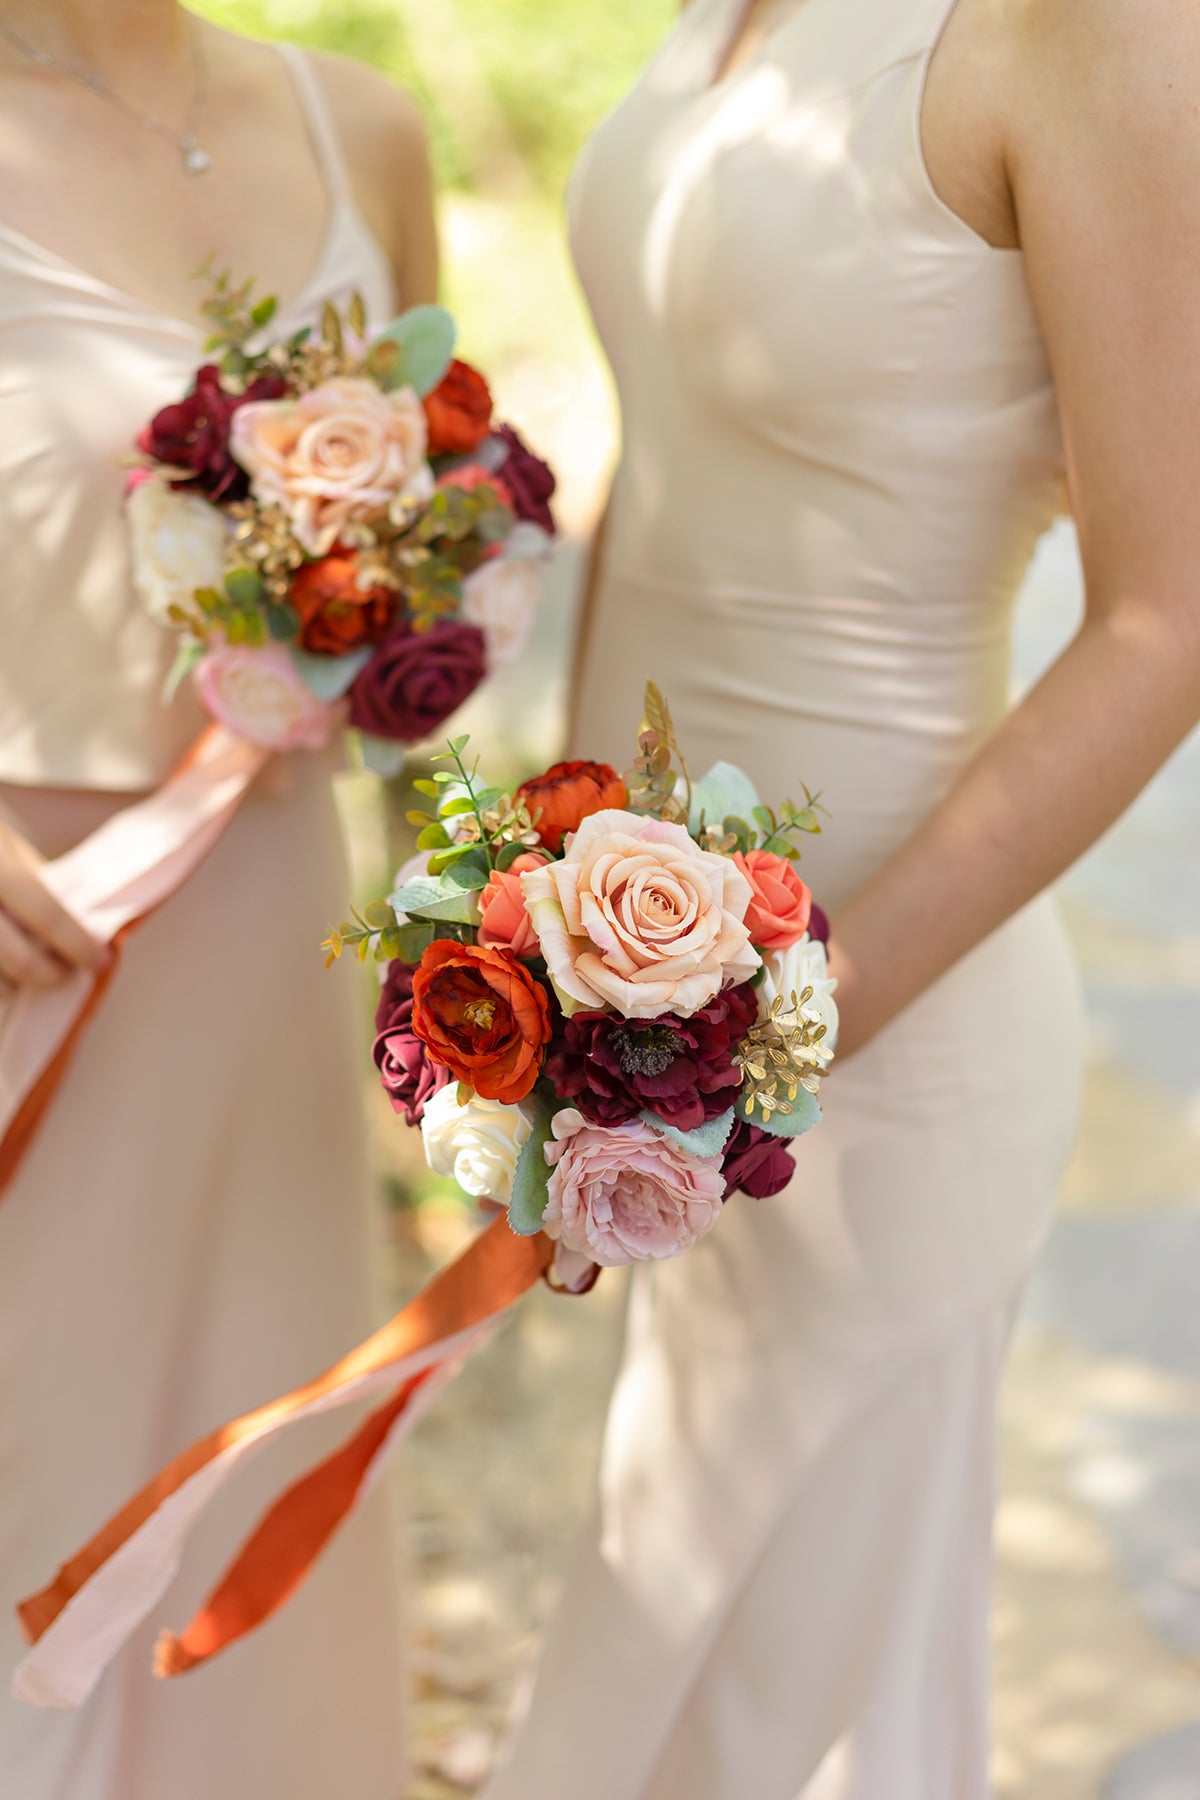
[(841, 439), (82, 368)]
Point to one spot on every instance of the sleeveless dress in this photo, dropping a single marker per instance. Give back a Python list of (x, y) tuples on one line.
[(840, 448), (189, 1235)]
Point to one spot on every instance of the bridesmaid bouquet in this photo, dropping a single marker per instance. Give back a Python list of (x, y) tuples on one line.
[(338, 528), (606, 1004)]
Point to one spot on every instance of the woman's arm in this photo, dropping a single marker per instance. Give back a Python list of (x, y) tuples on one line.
[(1103, 153), (387, 151)]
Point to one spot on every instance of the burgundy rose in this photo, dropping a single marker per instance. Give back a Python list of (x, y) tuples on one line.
[(528, 479), (682, 1070), (409, 1078), (193, 434), (818, 925), (416, 680), (756, 1162)]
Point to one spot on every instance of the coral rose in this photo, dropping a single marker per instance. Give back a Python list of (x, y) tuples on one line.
[(756, 1163), (682, 1070), (459, 411), (257, 693), (625, 1193), (638, 918), (480, 1013), (340, 452), (335, 614), (564, 796), (504, 923), (416, 679), (408, 1077), (779, 909)]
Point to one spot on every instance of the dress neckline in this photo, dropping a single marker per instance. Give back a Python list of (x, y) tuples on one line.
[(338, 201)]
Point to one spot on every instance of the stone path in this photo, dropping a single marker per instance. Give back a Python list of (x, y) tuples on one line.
[(1097, 1623)]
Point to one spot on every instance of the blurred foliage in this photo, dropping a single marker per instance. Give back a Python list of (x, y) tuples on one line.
[(552, 68)]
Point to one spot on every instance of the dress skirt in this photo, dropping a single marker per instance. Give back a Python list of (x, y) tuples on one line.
[(785, 1595), (189, 1237)]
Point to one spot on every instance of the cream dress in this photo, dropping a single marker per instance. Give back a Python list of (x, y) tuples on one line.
[(840, 448), (189, 1236)]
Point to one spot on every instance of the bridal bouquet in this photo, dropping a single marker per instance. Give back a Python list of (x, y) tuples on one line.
[(606, 1002), (338, 528)]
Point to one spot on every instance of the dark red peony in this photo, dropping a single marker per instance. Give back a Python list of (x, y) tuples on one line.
[(416, 680), (335, 614), (682, 1070), (818, 925), (458, 411), (528, 479), (193, 434), (756, 1162), (408, 1076)]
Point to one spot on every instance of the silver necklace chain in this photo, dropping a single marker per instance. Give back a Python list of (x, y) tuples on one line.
[(195, 158)]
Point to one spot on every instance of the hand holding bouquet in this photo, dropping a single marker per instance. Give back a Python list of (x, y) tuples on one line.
[(338, 528), (606, 1003)]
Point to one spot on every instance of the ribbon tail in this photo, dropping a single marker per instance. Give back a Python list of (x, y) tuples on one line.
[(80, 1621)]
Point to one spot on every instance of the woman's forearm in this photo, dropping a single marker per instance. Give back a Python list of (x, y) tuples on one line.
[(1048, 784)]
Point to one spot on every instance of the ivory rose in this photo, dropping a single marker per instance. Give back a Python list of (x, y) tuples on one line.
[(178, 545), (625, 1193), (504, 923), (779, 911), (790, 971), (637, 917), (257, 693), (477, 1144), (339, 452)]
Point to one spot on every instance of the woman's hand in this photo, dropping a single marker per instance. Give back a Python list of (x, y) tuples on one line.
[(40, 943)]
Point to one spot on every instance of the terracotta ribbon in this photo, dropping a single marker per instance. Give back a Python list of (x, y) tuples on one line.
[(112, 881), (99, 1598)]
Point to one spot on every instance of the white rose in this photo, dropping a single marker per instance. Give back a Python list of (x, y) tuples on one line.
[(790, 971), (502, 598), (178, 543), (478, 1144)]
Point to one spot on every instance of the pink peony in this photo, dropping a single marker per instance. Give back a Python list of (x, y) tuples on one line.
[(625, 1193), (638, 918), (340, 452), (257, 694)]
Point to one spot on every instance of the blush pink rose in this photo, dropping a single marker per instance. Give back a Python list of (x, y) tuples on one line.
[(504, 924), (625, 1193), (340, 452), (638, 918), (779, 911), (257, 694)]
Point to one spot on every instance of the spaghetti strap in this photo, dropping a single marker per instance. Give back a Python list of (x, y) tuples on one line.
[(319, 120)]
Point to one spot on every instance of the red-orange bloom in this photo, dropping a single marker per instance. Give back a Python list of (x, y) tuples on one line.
[(335, 614), (459, 411), (565, 795), (482, 1015)]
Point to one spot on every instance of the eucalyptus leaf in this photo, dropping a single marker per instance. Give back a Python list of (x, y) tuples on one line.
[(531, 1177), (329, 677), (470, 872), (282, 622), (509, 854), (425, 898), (245, 587), (412, 940), (805, 1113), (381, 756), (426, 336), (725, 789), (708, 1139)]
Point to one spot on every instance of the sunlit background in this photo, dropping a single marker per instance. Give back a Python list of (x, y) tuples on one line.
[(1098, 1614)]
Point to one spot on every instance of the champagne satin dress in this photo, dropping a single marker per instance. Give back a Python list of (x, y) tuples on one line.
[(189, 1235), (840, 448)]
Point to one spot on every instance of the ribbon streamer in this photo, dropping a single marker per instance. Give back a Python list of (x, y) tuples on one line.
[(100, 1597), (111, 882)]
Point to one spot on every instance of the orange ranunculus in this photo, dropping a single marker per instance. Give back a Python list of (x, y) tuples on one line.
[(335, 614), (504, 923), (481, 1014), (459, 411), (563, 797), (779, 911)]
